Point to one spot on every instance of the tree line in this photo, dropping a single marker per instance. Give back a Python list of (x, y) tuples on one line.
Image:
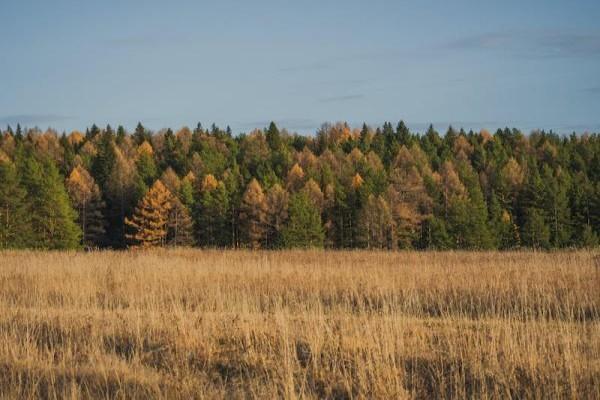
[(378, 188)]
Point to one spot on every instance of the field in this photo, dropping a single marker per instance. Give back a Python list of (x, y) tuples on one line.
[(342, 325)]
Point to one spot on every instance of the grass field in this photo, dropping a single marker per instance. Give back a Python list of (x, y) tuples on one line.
[(237, 324)]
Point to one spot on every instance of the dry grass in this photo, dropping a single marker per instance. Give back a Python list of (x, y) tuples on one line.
[(213, 324)]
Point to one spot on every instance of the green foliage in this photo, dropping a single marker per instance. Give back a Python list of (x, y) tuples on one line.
[(53, 219), (304, 228), (384, 187), (15, 221), (536, 233)]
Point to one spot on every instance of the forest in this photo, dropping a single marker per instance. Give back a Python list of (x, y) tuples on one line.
[(372, 187)]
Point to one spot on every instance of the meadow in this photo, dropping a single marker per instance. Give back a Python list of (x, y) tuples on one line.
[(299, 324)]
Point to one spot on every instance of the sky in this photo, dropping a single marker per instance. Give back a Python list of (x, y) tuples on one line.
[(472, 64)]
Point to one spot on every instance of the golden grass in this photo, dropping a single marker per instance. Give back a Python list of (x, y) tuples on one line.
[(238, 324)]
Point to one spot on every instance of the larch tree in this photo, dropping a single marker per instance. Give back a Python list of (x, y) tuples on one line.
[(376, 224), (87, 200), (295, 178), (53, 219), (149, 223), (253, 215), (277, 200), (180, 224), (314, 193)]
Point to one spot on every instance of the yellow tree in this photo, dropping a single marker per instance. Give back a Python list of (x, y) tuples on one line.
[(253, 214), (149, 222), (85, 197), (295, 178), (180, 225), (377, 223), (276, 199)]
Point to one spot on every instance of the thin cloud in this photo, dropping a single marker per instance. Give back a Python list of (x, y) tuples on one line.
[(306, 67), (32, 119), (592, 90), (539, 44), (335, 99), (149, 39)]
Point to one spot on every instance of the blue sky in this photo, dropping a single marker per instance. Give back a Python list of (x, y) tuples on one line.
[(529, 64)]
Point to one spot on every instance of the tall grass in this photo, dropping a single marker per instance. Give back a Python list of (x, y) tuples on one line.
[(237, 324)]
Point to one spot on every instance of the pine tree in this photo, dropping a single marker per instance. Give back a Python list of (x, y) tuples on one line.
[(556, 206), (85, 197), (435, 236), (172, 155), (376, 224), (536, 233), (15, 222), (273, 137), (501, 225), (150, 218), (141, 135), (123, 190), (104, 160), (180, 224), (304, 228), (277, 201), (212, 213)]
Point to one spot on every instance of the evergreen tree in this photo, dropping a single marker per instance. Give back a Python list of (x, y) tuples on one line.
[(85, 197), (376, 224), (122, 193), (304, 228), (15, 222), (212, 214), (140, 135), (536, 233), (180, 225), (104, 160), (556, 206), (435, 236), (146, 167), (273, 137), (172, 153), (277, 201)]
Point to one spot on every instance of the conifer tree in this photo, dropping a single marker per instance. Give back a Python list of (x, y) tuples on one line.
[(122, 192), (295, 178), (85, 197), (304, 228), (180, 224), (273, 137), (277, 201), (376, 224), (253, 215), (140, 135), (148, 224), (104, 159), (536, 233), (212, 213), (145, 165), (52, 217), (15, 223)]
